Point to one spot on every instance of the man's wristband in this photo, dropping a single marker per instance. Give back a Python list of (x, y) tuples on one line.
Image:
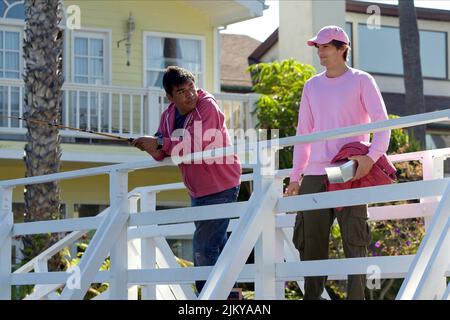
[(159, 140)]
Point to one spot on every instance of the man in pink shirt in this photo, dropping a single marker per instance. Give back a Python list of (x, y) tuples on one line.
[(339, 97), (193, 122)]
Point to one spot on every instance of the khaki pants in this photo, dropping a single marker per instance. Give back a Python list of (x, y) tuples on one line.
[(312, 235)]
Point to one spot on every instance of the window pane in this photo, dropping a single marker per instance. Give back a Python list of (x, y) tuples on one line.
[(1, 39), (348, 29), (96, 48), (2, 8), (11, 40), (190, 54), (374, 44), (89, 60), (96, 67), (17, 12), (1, 60), (96, 80), (155, 54), (12, 60), (81, 46), (155, 63), (432, 54), (385, 42), (155, 47), (15, 106), (3, 106), (81, 66), (154, 79), (163, 52), (14, 75), (81, 79)]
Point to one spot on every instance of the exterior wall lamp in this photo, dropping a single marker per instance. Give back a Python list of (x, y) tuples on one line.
[(131, 26)]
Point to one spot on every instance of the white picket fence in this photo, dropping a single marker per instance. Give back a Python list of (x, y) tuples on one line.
[(135, 240)]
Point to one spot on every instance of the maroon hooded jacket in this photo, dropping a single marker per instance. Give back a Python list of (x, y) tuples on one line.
[(207, 176)]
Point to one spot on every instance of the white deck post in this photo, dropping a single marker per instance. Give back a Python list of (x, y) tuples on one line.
[(134, 247), (415, 284), (433, 284), (148, 248), (265, 248), (6, 224), (433, 168), (119, 252), (446, 295), (279, 258)]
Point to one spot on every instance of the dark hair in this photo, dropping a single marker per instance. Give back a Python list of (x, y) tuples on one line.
[(175, 76), (339, 44)]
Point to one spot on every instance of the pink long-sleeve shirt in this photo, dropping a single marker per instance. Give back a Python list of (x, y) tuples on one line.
[(330, 103)]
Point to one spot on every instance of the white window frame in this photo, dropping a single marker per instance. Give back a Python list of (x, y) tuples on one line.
[(146, 34), (106, 36), (11, 6), (19, 25), (19, 29), (13, 25)]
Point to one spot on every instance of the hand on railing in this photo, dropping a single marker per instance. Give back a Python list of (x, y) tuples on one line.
[(292, 189), (148, 144)]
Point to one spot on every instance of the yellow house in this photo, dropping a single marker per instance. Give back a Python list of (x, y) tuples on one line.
[(114, 56)]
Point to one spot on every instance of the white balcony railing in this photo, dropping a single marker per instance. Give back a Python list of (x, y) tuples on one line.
[(126, 111), (135, 239)]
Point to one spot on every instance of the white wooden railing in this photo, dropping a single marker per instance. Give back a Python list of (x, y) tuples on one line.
[(128, 111), (140, 256)]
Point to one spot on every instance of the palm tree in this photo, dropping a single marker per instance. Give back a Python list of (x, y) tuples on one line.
[(42, 49), (412, 71)]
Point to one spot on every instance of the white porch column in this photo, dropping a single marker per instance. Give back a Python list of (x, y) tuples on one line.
[(300, 21), (119, 251), (265, 248), (148, 248), (6, 224)]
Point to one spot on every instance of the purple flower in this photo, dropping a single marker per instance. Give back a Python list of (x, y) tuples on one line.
[(408, 243), (378, 244), (397, 230)]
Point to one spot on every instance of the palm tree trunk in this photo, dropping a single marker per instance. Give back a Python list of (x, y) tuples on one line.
[(42, 49), (412, 70)]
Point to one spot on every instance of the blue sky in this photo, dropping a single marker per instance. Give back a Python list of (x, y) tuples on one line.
[(261, 28)]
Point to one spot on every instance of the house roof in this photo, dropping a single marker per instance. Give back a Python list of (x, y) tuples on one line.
[(358, 7), (256, 55), (234, 52), (227, 12), (391, 10)]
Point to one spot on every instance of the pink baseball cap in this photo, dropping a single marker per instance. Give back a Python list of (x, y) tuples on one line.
[(328, 34)]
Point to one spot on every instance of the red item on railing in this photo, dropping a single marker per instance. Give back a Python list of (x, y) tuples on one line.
[(382, 172)]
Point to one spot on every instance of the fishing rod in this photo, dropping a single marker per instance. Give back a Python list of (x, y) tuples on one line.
[(70, 128)]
